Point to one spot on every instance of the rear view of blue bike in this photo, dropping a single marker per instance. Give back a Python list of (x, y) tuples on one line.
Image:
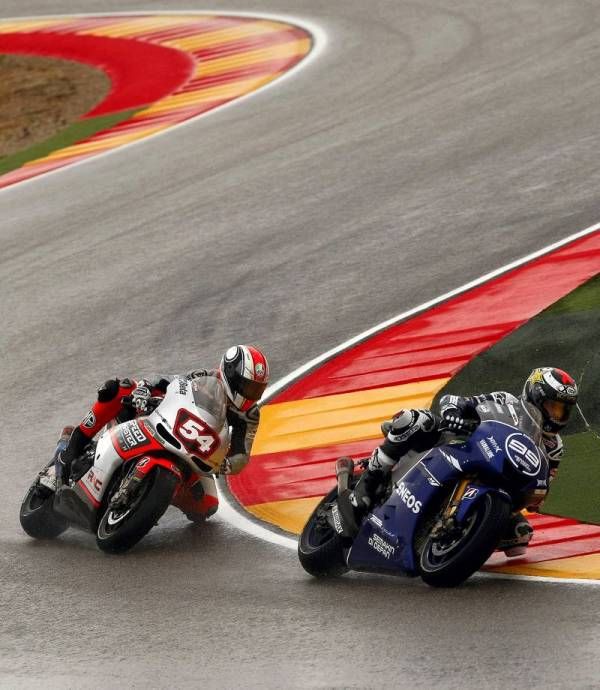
[(443, 512)]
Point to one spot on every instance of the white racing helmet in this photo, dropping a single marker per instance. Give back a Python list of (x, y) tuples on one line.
[(245, 373)]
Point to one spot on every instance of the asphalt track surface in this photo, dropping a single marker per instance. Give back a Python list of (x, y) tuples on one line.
[(429, 144)]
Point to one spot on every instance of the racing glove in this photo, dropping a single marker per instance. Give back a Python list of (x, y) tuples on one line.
[(458, 414), (454, 422), (234, 464)]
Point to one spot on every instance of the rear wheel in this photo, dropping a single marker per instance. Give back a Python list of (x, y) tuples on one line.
[(446, 561), (121, 527), (320, 547), (37, 517)]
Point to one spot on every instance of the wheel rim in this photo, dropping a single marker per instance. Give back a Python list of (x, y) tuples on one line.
[(437, 554), (114, 518), (442, 550)]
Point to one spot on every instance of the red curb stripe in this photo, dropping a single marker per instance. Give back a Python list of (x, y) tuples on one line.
[(125, 61), (150, 33), (195, 28), (242, 45), (499, 306), (566, 549), (259, 69), (295, 474)]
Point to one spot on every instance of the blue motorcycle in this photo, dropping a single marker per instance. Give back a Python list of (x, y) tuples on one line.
[(444, 511)]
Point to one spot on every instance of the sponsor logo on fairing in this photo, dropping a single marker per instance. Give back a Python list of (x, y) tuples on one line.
[(89, 420), (522, 454), (183, 387), (451, 459), (470, 493), (408, 497), (494, 444), (337, 519), (130, 436), (432, 481), (486, 449), (376, 521), (93, 481), (381, 546)]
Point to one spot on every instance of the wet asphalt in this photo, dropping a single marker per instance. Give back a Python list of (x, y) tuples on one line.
[(427, 145)]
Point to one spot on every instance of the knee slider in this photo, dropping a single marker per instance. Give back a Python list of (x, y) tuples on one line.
[(108, 390)]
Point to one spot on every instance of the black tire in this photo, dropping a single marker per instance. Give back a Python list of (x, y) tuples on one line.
[(320, 547), (37, 517), (447, 565), (119, 531)]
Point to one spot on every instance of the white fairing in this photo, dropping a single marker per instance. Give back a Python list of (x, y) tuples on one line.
[(106, 462), (204, 426), (194, 416)]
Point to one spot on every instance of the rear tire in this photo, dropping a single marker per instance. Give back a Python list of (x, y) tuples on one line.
[(447, 565), (37, 517), (120, 530), (320, 547)]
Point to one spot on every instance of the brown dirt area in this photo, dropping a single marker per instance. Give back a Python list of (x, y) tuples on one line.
[(41, 96)]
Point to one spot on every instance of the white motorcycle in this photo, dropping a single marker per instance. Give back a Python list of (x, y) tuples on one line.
[(124, 482)]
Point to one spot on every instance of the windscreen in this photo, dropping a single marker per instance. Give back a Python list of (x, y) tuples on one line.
[(519, 414), (209, 395)]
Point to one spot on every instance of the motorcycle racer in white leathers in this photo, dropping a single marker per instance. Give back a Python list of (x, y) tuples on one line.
[(244, 374)]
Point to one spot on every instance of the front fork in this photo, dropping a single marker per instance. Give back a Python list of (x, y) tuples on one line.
[(447, 522), (130, 485)]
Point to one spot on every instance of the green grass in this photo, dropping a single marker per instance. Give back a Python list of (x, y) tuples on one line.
[(576, 490), (79, 130), (566, 335)]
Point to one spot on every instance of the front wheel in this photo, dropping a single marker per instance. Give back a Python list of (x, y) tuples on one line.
[(320, 547), (121, 528), (446, 562), (37, 517)]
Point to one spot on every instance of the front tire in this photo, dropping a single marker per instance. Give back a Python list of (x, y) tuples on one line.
[(121, 529), (320, 547), (447, 564), (37, 517)]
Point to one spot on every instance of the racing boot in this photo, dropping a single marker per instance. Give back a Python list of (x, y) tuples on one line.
[(47, 479), (517, 536), (70, 447), (355, 504)]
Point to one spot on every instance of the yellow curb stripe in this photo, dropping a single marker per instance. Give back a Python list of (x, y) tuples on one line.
[(335, 419), (227, 91), (7, 28), (218, 34), (584, 567), (252, 57), (213, 38), (289, 515), (136, 27)]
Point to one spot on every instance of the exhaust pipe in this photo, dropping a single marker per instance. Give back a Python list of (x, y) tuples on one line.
[(344, 470)]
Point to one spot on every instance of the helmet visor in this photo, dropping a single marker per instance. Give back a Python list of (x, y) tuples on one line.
[(557, 411), (251, 390)]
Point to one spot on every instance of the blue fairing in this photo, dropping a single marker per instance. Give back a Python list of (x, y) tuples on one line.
[(495, 451)]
